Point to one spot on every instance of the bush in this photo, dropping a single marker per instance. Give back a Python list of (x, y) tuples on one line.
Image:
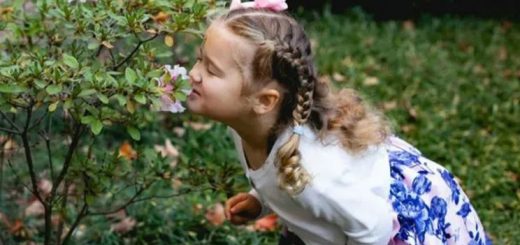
[(80, 84)]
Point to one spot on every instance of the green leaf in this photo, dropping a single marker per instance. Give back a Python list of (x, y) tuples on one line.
[(54, 89), (39, 83), (11, 88), (130, 75), (53, 106), (140, 98), (89, 199), (179, 95), (96, 126), (103, 98), (87, 92), (134, 132), (88, 119), (70, 61), (121, 99), (93, 44)]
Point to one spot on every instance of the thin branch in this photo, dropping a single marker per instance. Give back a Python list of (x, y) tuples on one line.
[(172, 195), (49, 154), (126, 204), (17, 176), (10, 121), (78, 130), (37, 121), (141, 42), (135, 200), (112, 57), (28, 156), (84, 212), (81, 215), (9, 131), (63, 212)]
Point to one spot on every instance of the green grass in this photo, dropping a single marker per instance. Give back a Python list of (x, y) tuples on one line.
[(451, 86)]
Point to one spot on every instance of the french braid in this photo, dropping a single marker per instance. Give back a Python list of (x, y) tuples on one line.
[(284, 55)]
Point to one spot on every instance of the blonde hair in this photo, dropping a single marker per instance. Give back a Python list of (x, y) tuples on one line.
[(284, 54)]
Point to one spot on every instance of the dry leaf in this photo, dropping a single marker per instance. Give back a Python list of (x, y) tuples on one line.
[(124, 226), (370, 81), (45, 187), (168, 150), (35, 208), (347, 61), (107, 44), (407, 128), (179, 131), (160, 17), (9, 144), (215, 215), (338, 77), (267, 223), (389, 105), (176, 184), (4, 220), (126, 151), (119, 215)]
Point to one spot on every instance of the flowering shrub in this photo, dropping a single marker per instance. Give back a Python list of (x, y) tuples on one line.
[(80, 81)]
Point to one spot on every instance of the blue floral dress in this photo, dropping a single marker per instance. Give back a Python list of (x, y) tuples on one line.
[(430, 207)]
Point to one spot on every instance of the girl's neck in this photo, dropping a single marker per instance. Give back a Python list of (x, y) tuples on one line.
[(256, 132)]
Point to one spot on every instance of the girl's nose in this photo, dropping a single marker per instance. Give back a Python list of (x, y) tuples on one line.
[(195, 76)]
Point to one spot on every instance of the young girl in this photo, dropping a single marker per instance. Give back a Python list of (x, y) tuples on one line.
[(325, 163)]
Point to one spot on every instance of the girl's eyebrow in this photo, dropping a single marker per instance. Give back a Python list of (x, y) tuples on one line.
[(209, 60)]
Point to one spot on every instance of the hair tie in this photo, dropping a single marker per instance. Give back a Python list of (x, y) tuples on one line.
[(274, 5), (298, 130)]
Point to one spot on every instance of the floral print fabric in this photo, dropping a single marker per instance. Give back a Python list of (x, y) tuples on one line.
[(430, 207)]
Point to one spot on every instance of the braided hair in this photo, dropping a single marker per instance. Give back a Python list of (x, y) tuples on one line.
[(284, 54)]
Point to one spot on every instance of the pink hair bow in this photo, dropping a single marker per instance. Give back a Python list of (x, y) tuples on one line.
[(275, 5)]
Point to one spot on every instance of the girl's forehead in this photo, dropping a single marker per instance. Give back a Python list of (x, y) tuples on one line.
[(220, 42)]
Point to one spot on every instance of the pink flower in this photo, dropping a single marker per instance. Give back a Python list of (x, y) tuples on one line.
[(167, 84), (215, 215)]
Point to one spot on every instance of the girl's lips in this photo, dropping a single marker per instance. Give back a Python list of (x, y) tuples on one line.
[(194, 91)]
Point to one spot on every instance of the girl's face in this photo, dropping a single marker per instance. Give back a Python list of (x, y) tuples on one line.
[(217, 79)]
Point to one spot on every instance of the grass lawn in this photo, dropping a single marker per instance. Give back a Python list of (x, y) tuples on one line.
[(451, 86)]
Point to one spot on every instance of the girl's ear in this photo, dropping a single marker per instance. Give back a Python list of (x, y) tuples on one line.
[(266, 100)]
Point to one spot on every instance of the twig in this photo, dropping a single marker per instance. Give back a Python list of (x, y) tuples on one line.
[(49, 154), (84, 212), (17, 176), (172, 195), (141, 42), (130, 201), (37, 121), (9, 131), (28, 156), (10, 121), (78, 130)]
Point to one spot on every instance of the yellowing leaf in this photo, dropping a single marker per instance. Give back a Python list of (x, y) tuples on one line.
[(53, 106), (127, 152), (168, 40), (107, 44)]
